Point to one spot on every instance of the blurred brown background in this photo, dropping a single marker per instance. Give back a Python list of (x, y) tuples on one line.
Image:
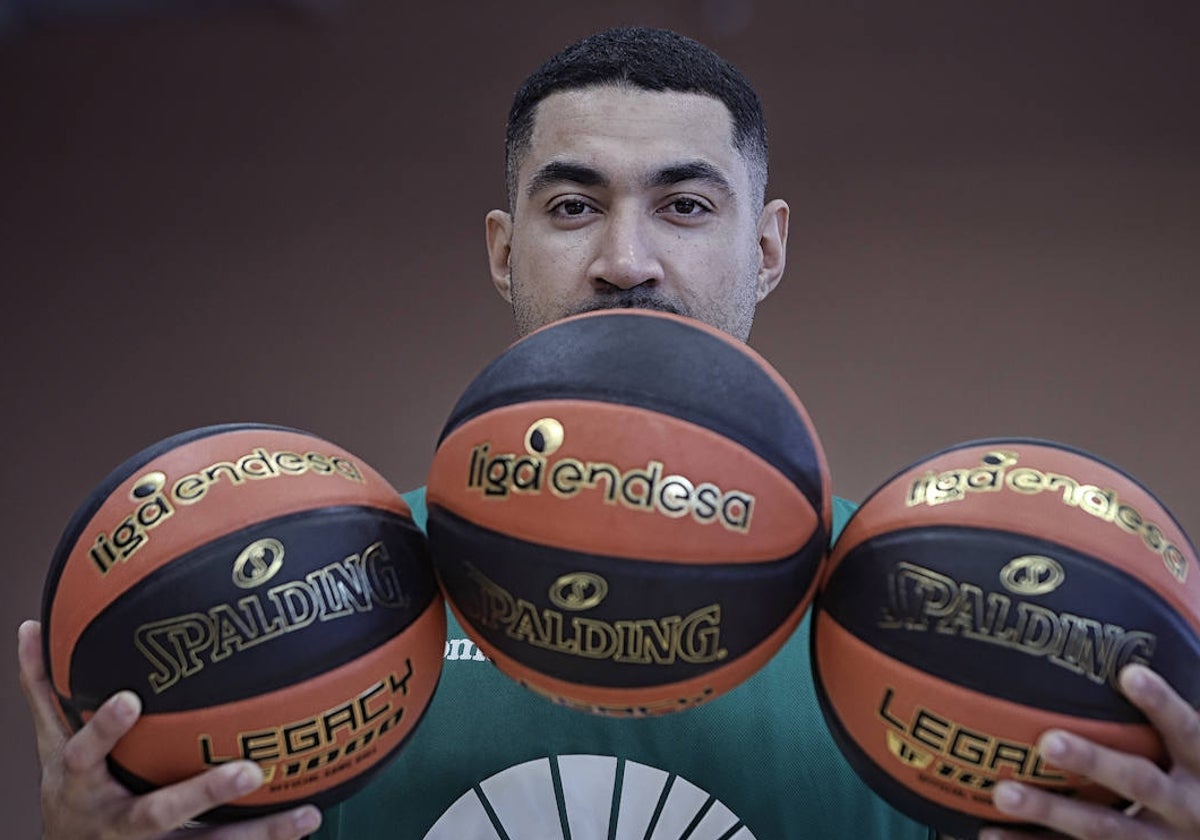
[(274, 211)]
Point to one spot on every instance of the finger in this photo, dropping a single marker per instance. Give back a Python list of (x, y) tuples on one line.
[(1176, 721), (170, 807), (1033, 805), (86, 749), (48, 726), (996, 833), (1084, 820), (1132, 777), (290, 825)]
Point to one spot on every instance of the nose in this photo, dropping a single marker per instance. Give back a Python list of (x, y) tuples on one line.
[(625, 254)]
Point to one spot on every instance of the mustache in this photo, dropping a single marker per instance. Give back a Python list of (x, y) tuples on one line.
[(631, 299)]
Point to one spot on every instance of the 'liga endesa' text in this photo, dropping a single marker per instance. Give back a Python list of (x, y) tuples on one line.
[(674, 496)]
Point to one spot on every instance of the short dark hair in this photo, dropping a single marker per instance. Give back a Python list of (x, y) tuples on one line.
[(650, 59)]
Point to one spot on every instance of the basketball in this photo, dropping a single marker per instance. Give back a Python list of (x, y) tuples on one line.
[(267, 596), (988, 593), (627, 512)]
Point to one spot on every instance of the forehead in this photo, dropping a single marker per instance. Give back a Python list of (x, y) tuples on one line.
[(623, 127)]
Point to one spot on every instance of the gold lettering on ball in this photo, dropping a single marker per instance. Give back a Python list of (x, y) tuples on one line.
[(578, 591), (1032, 574), (257, 563)]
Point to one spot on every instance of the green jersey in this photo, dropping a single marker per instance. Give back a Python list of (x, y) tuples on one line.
[(492, 760)]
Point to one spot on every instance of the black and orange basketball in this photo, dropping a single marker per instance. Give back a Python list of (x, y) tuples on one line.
[(984, 595), (627, 511), (268, 597)]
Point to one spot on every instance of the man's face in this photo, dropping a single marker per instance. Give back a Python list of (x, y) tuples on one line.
[(634, 198)]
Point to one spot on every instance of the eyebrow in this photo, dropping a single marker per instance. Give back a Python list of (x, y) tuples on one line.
[(560, 172), (691, 170)]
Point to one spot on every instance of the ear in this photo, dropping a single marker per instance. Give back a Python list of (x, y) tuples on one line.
[(499, 245), (772, 242)]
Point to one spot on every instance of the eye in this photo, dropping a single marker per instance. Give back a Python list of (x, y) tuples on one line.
[(686, 205), (570, 207)]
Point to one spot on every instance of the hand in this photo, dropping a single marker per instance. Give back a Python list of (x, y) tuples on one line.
[(1169, 800), (81, 800)]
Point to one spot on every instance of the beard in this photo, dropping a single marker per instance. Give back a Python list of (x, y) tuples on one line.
[(730, 315), (735, 321), (636, 298)]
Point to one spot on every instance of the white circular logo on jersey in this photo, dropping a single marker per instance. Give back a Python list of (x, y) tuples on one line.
[(587, 797)]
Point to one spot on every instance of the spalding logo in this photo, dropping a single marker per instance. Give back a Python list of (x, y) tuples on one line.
[(257, 563), (578, 591), (1032, 574)]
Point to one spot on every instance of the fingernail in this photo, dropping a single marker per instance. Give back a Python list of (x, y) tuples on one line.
[(248, 778), (1008, 797), (1135, 678), (1054, 746), (126, 706), (307, 820)]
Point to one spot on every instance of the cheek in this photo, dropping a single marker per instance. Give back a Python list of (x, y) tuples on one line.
[(546, 284), (716, 269), (552, 270)]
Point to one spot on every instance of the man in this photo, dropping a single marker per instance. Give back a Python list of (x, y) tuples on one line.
[(636, 170)]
